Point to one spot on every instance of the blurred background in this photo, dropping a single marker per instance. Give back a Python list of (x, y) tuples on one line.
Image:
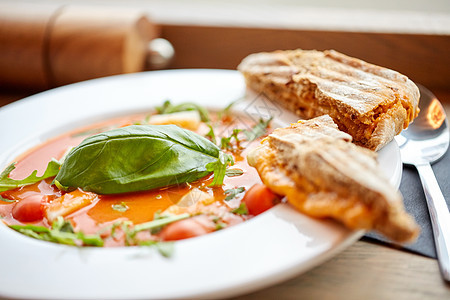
[(49, 43)]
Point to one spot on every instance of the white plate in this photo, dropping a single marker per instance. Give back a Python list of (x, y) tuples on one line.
[(266, 250)]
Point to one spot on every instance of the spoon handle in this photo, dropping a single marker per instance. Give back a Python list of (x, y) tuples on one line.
[(440, 217)]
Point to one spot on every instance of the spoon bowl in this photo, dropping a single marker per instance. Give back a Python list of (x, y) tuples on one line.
[(424, 142)]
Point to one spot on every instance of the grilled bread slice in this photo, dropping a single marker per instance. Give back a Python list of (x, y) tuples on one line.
[(371, 103), (323, 174)]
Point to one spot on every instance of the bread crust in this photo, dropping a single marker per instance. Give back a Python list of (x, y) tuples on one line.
[(371, 103), (323, 174)]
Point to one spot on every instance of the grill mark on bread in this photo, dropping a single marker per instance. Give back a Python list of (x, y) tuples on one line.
[(354, 93), (323, 175)]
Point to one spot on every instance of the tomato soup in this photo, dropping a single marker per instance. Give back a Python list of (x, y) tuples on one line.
[(25, 205)]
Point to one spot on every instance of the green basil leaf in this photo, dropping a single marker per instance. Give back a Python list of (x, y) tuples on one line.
[(135, 158), (7, 183)]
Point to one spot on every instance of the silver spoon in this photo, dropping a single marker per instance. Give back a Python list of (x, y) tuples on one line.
[(423, 143)]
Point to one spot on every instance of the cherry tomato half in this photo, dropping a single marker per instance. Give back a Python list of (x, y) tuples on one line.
[(187, 228), (29, 209), (260, 198)]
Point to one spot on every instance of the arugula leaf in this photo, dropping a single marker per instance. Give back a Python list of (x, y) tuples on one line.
[(232, 193), (211, 135), (160, 222), (136, 158), (61, 233), (90, 239), (219, 168), (7, 183), (168, 108), (233, 172), (241, 210), (121, 207), (258, 130)]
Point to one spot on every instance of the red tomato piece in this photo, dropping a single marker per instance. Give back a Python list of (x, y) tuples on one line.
[(29, 209), (187, 228), (260, 198)]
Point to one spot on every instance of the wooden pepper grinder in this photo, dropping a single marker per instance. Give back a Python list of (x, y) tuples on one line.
[(47, 46)]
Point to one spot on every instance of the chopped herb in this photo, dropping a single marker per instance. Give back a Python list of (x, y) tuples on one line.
[(218, 222), (168, 108), (233, 172), (90, 239), (7, 183), (160, 222), (130, 234), (147, 118), (226, 111), (164, 107), (114, 227), (7, 200), (241, 210), (211, 135), (122, 207), (62, 225), (258, 130), (220, 225), (232, 193), (166, 249), (61, 233), (219, 168), (225, 142)]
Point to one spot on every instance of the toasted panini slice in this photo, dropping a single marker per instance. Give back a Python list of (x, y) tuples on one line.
[(323, 174), (371, 103)]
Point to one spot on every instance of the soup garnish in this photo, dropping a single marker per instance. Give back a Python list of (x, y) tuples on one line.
[(141, 180)]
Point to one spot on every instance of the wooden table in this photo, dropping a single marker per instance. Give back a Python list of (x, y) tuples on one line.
[(365, 271)]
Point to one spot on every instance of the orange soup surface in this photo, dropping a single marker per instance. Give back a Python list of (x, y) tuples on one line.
[(103, 211)]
